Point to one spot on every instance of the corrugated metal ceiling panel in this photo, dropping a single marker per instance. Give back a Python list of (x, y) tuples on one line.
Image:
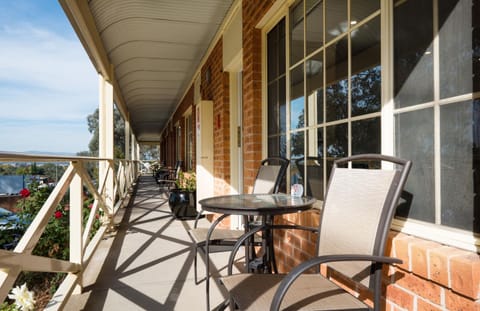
[(155, 47)]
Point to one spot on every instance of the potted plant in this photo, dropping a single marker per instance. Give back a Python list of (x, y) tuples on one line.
[(182, 200)]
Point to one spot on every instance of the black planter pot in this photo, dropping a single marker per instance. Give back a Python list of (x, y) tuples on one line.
[(183, 204)]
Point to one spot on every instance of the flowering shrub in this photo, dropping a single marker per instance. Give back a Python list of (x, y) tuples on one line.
[(25, 193), (23, 299), (54, 242)]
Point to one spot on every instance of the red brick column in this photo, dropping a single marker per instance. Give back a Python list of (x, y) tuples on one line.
[(252, 12), (215, 87)]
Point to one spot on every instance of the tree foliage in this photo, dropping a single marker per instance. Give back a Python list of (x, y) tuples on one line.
[(118, 133)]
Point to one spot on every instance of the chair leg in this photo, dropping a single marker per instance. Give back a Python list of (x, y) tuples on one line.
[(195, 273)]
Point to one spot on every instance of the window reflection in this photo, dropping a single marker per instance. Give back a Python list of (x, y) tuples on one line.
[(314, 73), (335, 18), (456, 47), (296, 33), (337, 144), (314, 25), (460, 165), (366, 73), (337, 84), (297, 147), (366, 136), (414, 141), (361, 9), (413, 57), (297, 101)]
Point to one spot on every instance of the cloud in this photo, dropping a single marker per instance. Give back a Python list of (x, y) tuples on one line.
[(43, 73), (48, 85)]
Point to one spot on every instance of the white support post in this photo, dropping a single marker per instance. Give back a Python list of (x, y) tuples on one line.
[(105, 144), (76, 205), (127, 140)]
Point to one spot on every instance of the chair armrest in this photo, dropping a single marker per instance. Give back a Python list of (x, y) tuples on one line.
[(238, 244), (300, 269)]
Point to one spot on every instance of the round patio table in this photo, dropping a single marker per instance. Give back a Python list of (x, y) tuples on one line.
[(265, 205)]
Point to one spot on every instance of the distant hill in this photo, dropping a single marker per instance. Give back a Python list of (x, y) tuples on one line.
[(69, 154)]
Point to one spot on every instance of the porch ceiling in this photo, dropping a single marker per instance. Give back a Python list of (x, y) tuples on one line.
[(154, 48)]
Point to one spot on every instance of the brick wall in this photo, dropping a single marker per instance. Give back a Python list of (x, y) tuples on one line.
[(215, 87), (252, 12), (170, 135), (432, 276)]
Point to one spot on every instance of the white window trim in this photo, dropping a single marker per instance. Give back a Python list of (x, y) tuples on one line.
[(429, 231), (433, 232)]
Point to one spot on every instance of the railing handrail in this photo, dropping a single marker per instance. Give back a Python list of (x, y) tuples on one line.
[(81, 246), (8, 156)]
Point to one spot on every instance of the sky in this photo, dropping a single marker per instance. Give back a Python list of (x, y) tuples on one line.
[(48, 85)]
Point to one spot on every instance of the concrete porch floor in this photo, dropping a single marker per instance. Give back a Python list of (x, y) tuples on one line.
[(147, 264)]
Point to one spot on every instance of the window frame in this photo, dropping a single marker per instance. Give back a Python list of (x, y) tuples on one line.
[(429, 231)]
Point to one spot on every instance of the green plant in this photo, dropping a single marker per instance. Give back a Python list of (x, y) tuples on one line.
[(187, 181), (54, 242)]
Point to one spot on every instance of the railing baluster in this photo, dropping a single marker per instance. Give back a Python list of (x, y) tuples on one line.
[(76, 205), (81, 246)]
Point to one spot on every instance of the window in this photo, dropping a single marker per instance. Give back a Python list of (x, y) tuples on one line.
[(437, 109), (334, 86), (328, 103), (188, 141)]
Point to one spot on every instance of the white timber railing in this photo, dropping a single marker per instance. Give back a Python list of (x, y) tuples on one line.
[(82, 245)]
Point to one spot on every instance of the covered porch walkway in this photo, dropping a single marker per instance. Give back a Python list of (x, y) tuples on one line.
[(147, 263)]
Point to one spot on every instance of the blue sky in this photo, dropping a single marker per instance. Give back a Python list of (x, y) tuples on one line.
[(48, 85)]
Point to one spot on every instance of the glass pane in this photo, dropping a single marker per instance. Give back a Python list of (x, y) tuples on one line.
[(273, 108), (314, 73), (414, 141), (296, 33), (460, 141), (455, 32), (312, 166), (337, 85), (362, 8), (337, 144), (413, 57), (282, 60), (272, 54), (282, 101), (314, 28), (366, 137), (277, 146), (297, 151), (336, 21), (366, 72), (297, 103)]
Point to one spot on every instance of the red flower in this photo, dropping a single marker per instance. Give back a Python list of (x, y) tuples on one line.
[(25, 193), (90, 206), (58, 214)]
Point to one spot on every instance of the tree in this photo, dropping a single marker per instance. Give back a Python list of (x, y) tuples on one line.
[(150, 152), (119, 133)]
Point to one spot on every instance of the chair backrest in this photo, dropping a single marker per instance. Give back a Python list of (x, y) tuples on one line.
[(358, 209), (270, 175)]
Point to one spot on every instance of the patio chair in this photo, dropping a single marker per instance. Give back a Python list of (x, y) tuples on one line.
[(268, 180), (355, 220), (166, 178)]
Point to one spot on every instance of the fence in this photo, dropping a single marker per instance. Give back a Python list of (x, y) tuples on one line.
[(111, 194)]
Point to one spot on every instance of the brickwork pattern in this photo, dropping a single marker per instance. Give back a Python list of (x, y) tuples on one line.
[(252, 12), (170, 136), (431, 277), (215, 87)]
